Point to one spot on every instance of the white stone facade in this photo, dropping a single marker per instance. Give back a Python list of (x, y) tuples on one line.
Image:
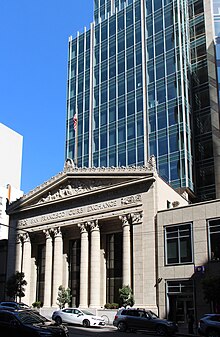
[(87, 206)]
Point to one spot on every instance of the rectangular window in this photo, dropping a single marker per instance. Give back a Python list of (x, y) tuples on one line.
[(113, 266), (41, 251), (178, 244), (214, 239)]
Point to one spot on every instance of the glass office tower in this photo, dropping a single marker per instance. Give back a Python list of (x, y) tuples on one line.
[(141, 82)]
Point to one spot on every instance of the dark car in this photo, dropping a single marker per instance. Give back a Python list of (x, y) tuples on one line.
[(140, 319), (209, 325), (13, 305), (26, 323)]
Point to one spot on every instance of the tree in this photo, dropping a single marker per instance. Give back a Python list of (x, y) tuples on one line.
[(63, 297), (211, 290), (15, 286), (126, 296)]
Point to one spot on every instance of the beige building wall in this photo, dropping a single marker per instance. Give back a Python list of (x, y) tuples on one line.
[(197, 215)]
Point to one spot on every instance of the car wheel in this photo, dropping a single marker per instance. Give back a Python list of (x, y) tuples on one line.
[(86, 323), (58, 320), (213, 333), (161, 330), (122, 327)]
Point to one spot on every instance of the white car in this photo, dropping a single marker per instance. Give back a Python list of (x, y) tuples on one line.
[(77, 316)]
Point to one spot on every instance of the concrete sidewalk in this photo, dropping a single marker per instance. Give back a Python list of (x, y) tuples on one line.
[(183, 331)]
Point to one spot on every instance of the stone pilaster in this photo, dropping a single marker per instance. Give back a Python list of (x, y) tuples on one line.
[(57, 263), (18, 255), (84, 266), (94, 265), (126, 255), (26, 264), (48, 269)]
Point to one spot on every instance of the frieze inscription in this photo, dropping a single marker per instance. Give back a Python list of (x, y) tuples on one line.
[(69, 213)]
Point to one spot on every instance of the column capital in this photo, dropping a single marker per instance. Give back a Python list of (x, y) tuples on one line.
[(47, 233), (94, 226), (57, 232), (124, 220), (18, 238), (136, 217), (24, 237), (82, 227)]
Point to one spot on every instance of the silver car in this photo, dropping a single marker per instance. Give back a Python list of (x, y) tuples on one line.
[(77, 316)]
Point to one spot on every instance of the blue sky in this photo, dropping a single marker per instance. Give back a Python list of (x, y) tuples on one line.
[(33, 76)]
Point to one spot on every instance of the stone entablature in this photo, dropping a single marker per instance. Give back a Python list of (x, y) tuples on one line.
[(68, 214)]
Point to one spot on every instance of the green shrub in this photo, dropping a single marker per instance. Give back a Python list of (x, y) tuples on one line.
[(107, 305), (114, 306), (126, 296), (37, 304), (111, 306), (64, 296)]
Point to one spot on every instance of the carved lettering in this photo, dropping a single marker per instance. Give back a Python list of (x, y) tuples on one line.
[(97, 207), (131, 199), (73, 212)]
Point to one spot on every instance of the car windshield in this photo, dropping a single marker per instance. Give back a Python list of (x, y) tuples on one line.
[(23, 305), (31, 318), (87, 312), (153, 315)]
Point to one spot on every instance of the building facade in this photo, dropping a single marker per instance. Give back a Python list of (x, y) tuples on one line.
[(92, 230), (10, 180), (11, 144), (96, 229), (188, 252), (142, 81)]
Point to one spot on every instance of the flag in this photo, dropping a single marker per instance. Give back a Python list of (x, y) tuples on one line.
[(75, 122)]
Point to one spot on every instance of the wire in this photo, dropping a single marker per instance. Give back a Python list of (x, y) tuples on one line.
[(17, 229)]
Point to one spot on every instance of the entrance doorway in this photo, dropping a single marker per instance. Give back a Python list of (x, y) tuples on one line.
[(180, 304)]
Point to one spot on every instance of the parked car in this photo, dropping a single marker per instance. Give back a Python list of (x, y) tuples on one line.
[(140, 319), (77, 316), (209, 325), (13, 305), (26, 323)]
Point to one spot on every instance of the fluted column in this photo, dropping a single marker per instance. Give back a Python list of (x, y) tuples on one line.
[(18, 256), (84, 266), (95, 265), (126, 255), (26, 265), (138, 258), (57, 263), (48, 270)]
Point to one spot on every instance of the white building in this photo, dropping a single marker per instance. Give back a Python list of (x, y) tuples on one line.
[(10, 172)]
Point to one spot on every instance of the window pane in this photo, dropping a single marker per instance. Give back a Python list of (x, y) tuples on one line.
[(172, 251)]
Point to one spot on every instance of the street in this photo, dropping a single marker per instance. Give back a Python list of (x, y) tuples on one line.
[(108, 331)]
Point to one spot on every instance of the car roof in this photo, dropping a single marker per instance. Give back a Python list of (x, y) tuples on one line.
[(208, 315)]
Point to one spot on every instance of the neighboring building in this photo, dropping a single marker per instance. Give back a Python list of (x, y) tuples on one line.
[(216, 13), (10, 179), (142, 81), (11, 144), (188, 251), (90, 229)]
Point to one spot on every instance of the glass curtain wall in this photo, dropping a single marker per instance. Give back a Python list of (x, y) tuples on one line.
[(138, 83)]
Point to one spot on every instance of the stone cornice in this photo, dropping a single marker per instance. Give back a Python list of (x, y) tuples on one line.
[(42, 193)]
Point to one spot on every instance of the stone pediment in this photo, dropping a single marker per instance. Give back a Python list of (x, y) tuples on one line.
[(75, 187), (74, 181)]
